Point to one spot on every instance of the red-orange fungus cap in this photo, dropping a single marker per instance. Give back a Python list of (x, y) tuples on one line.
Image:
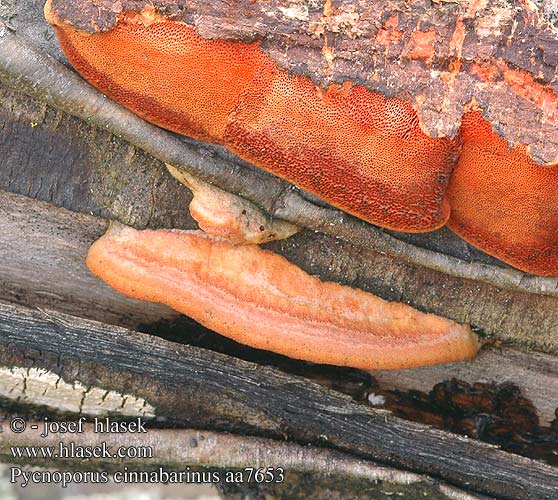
[(359, 151), (166, 73), (354, 148), (504, 203), (260, 299)]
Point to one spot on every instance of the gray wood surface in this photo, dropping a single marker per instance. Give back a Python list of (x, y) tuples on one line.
[(192, 387), (43, 264), (83, 169), (299, 471)]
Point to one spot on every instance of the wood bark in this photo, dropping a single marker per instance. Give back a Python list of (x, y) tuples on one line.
[(364, 258), (440, 56), (491, 298), (58, 277), (187, 386)]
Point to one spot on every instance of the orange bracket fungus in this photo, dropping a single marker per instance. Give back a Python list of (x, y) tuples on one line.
[(364, 153), (228, 216), (358, 150), (503, 202), (260, 299)]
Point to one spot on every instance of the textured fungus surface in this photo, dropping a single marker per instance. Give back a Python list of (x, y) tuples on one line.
[(228, 216), (428, 53), (258, 298), (504, 203), (166, 73), (356, 149)]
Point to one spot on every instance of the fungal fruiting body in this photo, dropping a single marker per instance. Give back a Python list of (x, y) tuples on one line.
[(166, 72), (503, 202), (229, 216), (358, 150), (258, 298)]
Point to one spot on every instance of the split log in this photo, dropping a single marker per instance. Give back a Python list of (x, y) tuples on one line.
[(49, 261), (101, 370)]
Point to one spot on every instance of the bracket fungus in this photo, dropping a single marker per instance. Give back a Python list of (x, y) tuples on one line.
[(228, 216), (259, 298), (356, 149), (364, 153), (503, 202)]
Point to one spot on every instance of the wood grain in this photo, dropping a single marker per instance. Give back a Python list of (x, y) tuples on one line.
[(193, 387)]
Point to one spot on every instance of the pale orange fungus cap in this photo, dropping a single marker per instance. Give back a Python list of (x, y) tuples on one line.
[(260, 299), (504, 203)]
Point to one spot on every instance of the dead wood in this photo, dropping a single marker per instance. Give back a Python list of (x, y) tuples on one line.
[(102, 170), (174, 448), (536, 373), (63, 89), (438, 55), (43, 250), (185, 386), (495, 299)]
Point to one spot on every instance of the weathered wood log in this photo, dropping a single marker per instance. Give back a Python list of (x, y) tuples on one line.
[(51, 272), (223, 455), (100, 366), (273, 196), (56, 241), (455, 52)]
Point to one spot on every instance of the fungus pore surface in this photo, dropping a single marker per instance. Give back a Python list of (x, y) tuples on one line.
[(503, 202), (258, 298), (358, 150), (166, 73)]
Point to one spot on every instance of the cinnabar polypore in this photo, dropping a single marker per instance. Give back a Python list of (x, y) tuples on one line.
[(260, 299), (358, 150), (354, 148), (503, 202)]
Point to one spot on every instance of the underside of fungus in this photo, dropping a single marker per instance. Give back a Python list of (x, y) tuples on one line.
[(503, 202), (260, 299), (358, 150)]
